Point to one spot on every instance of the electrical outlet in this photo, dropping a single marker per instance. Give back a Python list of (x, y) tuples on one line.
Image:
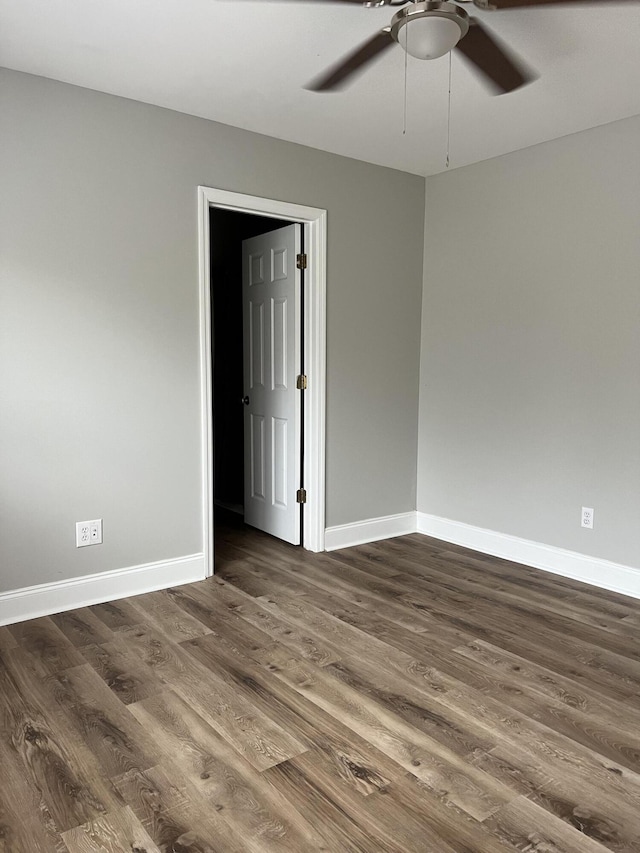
[(587, 517), (88, 533)]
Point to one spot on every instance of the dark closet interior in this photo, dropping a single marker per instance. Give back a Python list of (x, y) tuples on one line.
[(228, 229)]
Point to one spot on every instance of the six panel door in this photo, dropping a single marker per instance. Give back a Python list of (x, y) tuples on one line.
[(272, 419)]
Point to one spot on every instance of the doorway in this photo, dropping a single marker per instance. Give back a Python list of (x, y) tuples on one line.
[(228, 230), (226, 220), (258, 412)]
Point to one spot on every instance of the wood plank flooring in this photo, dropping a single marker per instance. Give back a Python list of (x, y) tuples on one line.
[(406, 696)]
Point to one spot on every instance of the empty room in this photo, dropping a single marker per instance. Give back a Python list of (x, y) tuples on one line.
[(320, 426)]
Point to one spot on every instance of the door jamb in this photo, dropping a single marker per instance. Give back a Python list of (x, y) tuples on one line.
[(314, 222)]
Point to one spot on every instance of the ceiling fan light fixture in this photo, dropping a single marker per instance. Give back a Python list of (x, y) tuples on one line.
[(429, 37), (436, 28)]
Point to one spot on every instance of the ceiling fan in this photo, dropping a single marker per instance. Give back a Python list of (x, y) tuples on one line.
[(427, 29)]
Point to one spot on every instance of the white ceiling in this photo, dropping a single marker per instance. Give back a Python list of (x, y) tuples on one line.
[(244, 63)]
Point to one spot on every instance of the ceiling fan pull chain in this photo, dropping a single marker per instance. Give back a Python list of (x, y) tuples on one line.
[(449, 113), (404, 125)]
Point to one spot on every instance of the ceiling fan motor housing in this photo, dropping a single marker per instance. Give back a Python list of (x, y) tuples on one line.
[(436, 28)]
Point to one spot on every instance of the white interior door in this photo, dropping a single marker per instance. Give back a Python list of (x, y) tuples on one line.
[(272, 417)]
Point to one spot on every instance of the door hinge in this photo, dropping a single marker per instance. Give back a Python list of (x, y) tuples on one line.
[(301, 261), (301, 496), (301, 382)]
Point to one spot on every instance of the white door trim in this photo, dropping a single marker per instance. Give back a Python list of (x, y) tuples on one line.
[(314, 221)]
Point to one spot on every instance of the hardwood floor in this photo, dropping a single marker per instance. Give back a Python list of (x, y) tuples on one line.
[(404, 697)]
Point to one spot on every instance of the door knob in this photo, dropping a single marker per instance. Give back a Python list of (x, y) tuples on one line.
[(245, 400)]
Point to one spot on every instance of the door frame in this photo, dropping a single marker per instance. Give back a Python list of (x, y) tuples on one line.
[(314, 223)]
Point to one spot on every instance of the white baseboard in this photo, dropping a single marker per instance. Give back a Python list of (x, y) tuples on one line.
[(47, 598), (570, 564), (371, 530), (44, 599)]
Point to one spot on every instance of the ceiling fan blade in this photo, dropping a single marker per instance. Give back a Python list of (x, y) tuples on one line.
[(318, 2), (494, 5), (499, 66), (335, 77), (366, 3)]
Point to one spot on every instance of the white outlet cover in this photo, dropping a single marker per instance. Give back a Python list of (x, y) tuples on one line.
[(88, 533), (587, 517)]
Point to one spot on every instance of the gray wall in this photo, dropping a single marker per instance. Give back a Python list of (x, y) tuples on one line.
[(530, 374), (99, 413)]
